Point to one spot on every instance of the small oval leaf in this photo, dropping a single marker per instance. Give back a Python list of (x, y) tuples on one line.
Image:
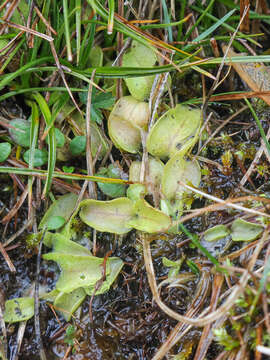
[(216, 239), (19, 309), (178, 169), (55, 222), (40, 157), (174, 131), (216, 232), (95, 56), (112, 190), (5, 150), (126, 121), (62, 207), (110, 216), (99, 144), (77, 145), (245, 231), (139, 55), (20, 134)]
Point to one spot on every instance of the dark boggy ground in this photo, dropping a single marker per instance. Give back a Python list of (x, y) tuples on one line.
[(126, 323)]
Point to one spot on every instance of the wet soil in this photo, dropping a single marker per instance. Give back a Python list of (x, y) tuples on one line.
[(126, 323)]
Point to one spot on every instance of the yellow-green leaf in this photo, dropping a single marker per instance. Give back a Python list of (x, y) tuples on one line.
[(153, 174), (173, 132), (110, 216), (19, 309), (126, 121), (63, 207), (66, 303), (139, 55), (245, 231), (147, 218), (178, 170)]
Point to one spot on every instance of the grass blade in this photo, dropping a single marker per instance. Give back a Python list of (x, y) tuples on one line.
[(110, 17), (167, 20), (33, 143), (212, 28), (78, 29), (203, 14), (51, 89), (51, 141), (60, 175), (226, 26), (9, 77), (267, 145), (67, 31), (202, 248)]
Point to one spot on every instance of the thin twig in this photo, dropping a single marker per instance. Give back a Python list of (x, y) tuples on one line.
[(7, 258), (27, 30), (224, 202), (18, 233), (20, 335), (16, 207), (48, 25), (236, 291), (59, 67)]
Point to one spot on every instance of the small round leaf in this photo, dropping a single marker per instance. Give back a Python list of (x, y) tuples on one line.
[(5, 150), (77, 145), (40, 157), (179, 170), (127, 120), (175, 130), (20, 132)]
